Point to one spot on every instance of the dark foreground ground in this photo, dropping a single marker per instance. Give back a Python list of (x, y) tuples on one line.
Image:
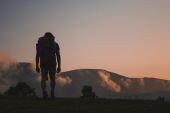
[(80, 105)]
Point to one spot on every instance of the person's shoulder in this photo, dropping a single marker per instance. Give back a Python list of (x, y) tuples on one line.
[(57, 45), (40, 41)]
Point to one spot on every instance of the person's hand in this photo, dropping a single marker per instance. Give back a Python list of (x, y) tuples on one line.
[(58, 69), (37, 69)]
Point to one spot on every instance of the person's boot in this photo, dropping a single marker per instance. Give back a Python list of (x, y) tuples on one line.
[(45, 95)]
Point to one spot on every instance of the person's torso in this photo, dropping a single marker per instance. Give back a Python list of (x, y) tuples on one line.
[(47, 53)]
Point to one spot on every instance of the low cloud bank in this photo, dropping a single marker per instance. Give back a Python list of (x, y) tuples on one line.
[(108, 83), (63, 81)]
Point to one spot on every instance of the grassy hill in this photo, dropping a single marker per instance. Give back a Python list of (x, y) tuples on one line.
[(80, 105)]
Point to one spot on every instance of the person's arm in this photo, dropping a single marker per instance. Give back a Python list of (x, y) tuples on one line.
[(37, 59), (58, 58)]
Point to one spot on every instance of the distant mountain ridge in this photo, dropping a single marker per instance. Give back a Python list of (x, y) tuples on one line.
[(127, 85), (105, 84)]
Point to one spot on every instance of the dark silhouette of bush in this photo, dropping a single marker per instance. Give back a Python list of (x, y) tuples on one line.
[(21, 90), (87, 91)]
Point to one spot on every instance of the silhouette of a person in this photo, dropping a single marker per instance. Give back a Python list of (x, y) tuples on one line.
[(47, 50)]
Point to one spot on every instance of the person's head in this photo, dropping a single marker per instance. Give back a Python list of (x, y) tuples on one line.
[(49, 35)]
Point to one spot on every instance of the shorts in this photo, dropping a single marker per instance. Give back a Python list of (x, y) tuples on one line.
[(48, 71)]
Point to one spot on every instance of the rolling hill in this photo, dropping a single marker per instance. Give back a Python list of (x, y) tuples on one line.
[(105, 84)]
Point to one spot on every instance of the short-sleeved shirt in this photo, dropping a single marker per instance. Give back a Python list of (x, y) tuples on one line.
[(47, 51)]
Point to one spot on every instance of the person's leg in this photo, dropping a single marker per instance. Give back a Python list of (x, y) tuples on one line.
[(44, 75), (52, 73)]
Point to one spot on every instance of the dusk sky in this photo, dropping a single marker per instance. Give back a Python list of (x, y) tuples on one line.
[(129, 37)]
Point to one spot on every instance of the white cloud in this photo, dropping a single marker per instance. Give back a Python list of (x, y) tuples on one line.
[(108, 83)]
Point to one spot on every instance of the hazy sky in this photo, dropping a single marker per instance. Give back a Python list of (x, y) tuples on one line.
[(129, 37)]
